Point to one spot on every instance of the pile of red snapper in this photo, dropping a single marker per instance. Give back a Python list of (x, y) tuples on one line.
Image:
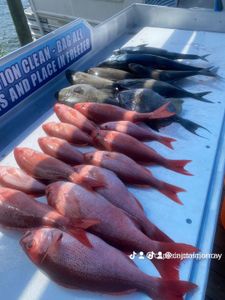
[(82, 235)]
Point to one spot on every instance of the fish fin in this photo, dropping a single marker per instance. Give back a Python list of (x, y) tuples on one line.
[(139, 204), (170, 191), (203, 57), (84, 223), (143, 45), (161, 112), (167, 141), (81, 236), (168, 267), (214, 72), (88, 182), (200, 96), (154, 233), (177, 102), (177, 166), (56, 238), (126, 292), (127, 254), (211, 72), (189, 125), (161, 289)]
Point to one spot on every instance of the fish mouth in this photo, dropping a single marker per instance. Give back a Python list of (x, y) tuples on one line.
[(117, 51), (23, 240), (68, 74)]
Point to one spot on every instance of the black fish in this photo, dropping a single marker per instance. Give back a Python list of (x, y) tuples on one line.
[(145, 100), (163, 88), (82, 93), (122, 61), (168, 75), (144, 49)]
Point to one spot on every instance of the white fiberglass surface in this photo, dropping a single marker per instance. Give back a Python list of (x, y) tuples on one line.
[(183, 223)]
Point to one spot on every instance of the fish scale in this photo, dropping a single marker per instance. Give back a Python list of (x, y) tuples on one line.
[(72, 200), (130, 172), (47, 168), (101, 268), (20, 211), (126, 200), (138, 132), (15, 178), (130, 146)]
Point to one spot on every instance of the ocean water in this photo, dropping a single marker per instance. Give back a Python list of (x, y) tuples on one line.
[(8, 37)]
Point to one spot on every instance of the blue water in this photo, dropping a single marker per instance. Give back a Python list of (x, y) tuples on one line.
[(8, 37)]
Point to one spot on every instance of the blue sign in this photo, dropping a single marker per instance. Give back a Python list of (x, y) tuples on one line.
[(29, 71)]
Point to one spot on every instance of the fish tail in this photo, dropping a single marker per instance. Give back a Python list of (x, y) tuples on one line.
[(170, 191), (189, 125), (167, 141), (211, 72), (161, 289), (169, 266), (154, 233), (160, 113), (81, 236), (203, 57), (177, 166), (92, 182), (200, 96)]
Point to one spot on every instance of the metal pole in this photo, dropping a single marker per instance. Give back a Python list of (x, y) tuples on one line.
[(20, 21), (32, 4), (218, 5)]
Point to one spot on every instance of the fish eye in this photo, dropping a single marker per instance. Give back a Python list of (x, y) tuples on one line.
[(78, 90), (30, 244)]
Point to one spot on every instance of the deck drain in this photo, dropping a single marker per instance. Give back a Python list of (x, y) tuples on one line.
[(207, 146), (189, 221)]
